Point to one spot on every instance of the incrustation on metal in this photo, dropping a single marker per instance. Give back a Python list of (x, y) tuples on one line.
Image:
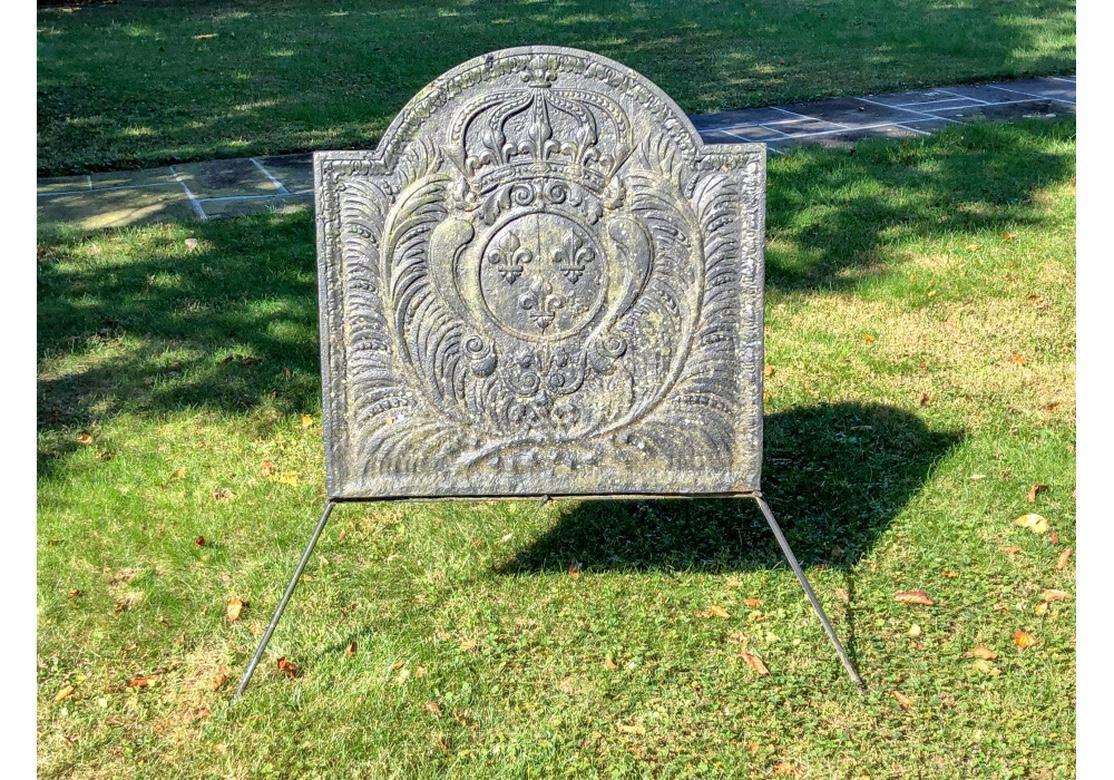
[(542, 282)]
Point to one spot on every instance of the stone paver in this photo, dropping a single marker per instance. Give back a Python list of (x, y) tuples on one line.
[(250, 185)]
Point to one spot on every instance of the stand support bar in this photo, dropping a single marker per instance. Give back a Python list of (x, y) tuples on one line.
[(285, 599), (796, 567)]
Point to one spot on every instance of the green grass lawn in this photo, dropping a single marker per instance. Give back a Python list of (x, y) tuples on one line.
[(136, 84), (920, 335)]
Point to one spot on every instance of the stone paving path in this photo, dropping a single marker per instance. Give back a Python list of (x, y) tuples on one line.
[(219, 188)]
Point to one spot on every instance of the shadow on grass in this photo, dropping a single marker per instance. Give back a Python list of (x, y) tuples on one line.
[(835, 476)]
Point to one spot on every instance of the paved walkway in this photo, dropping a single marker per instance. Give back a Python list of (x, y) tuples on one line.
[(219, 188)]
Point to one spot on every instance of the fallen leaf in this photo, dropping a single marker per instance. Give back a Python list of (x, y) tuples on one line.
[(754, 662), (105, 455), (1038, 524), (66, 692), (611, 665), (753, 603), (350, 650), (754, 616), (443, 743), (843, 595), (266, 468), (1008, 236), (73, 593), (201, 712), (1016, 359), (983, 652), (914, 597), (419, 671), (914, 631), (1065, 556), (1023, 639), (1054, 538), (433, 708), (714, 611), (868, 338), (574, 568), (142, 681), (785, 769), (768, 371), (1051, 406), (233, 607), (287, 667), (905, 702), (986, 667), (931, 293), (1050, 594), (924, 399), (307, 421), (1040, 608), (199, 541), (1034, 491), (218, 682), (397, 665), (85, 438), (951, 574), (191, 243)]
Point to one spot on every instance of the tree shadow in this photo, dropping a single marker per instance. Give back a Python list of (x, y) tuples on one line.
[(836, 475)]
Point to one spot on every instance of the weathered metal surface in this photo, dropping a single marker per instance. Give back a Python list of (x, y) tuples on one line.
[(541, 283)]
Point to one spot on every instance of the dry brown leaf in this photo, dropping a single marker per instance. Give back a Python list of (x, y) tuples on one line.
[(1023, 640), (433, 708), (785, 769), (1034, 491), (1016, 359), (924, 399), (1065, 556), (1008, 236), (983, 652), (1049, 595), (951, 574), (753, 603), (768, 371), (64, 693), (914, 597), (1038, 524), (142, 681), (73, 593), (905, 702), (610, 665), (714, 611), (218, 681), (233, 607), (574, 568), (287, 667), (350, 650), (267, 468), (199, 541), (85, 438), (868, 338), (754, 662), (397, 665), (984, 666)]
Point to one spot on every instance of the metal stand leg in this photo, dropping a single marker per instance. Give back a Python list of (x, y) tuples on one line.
[(789, 556), (283, 601)]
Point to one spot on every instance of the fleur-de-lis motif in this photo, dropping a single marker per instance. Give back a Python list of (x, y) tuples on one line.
[(542, 303), (572, 259), (509, 257)]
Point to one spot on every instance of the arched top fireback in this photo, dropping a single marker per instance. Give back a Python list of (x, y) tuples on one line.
[(541, 282)]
